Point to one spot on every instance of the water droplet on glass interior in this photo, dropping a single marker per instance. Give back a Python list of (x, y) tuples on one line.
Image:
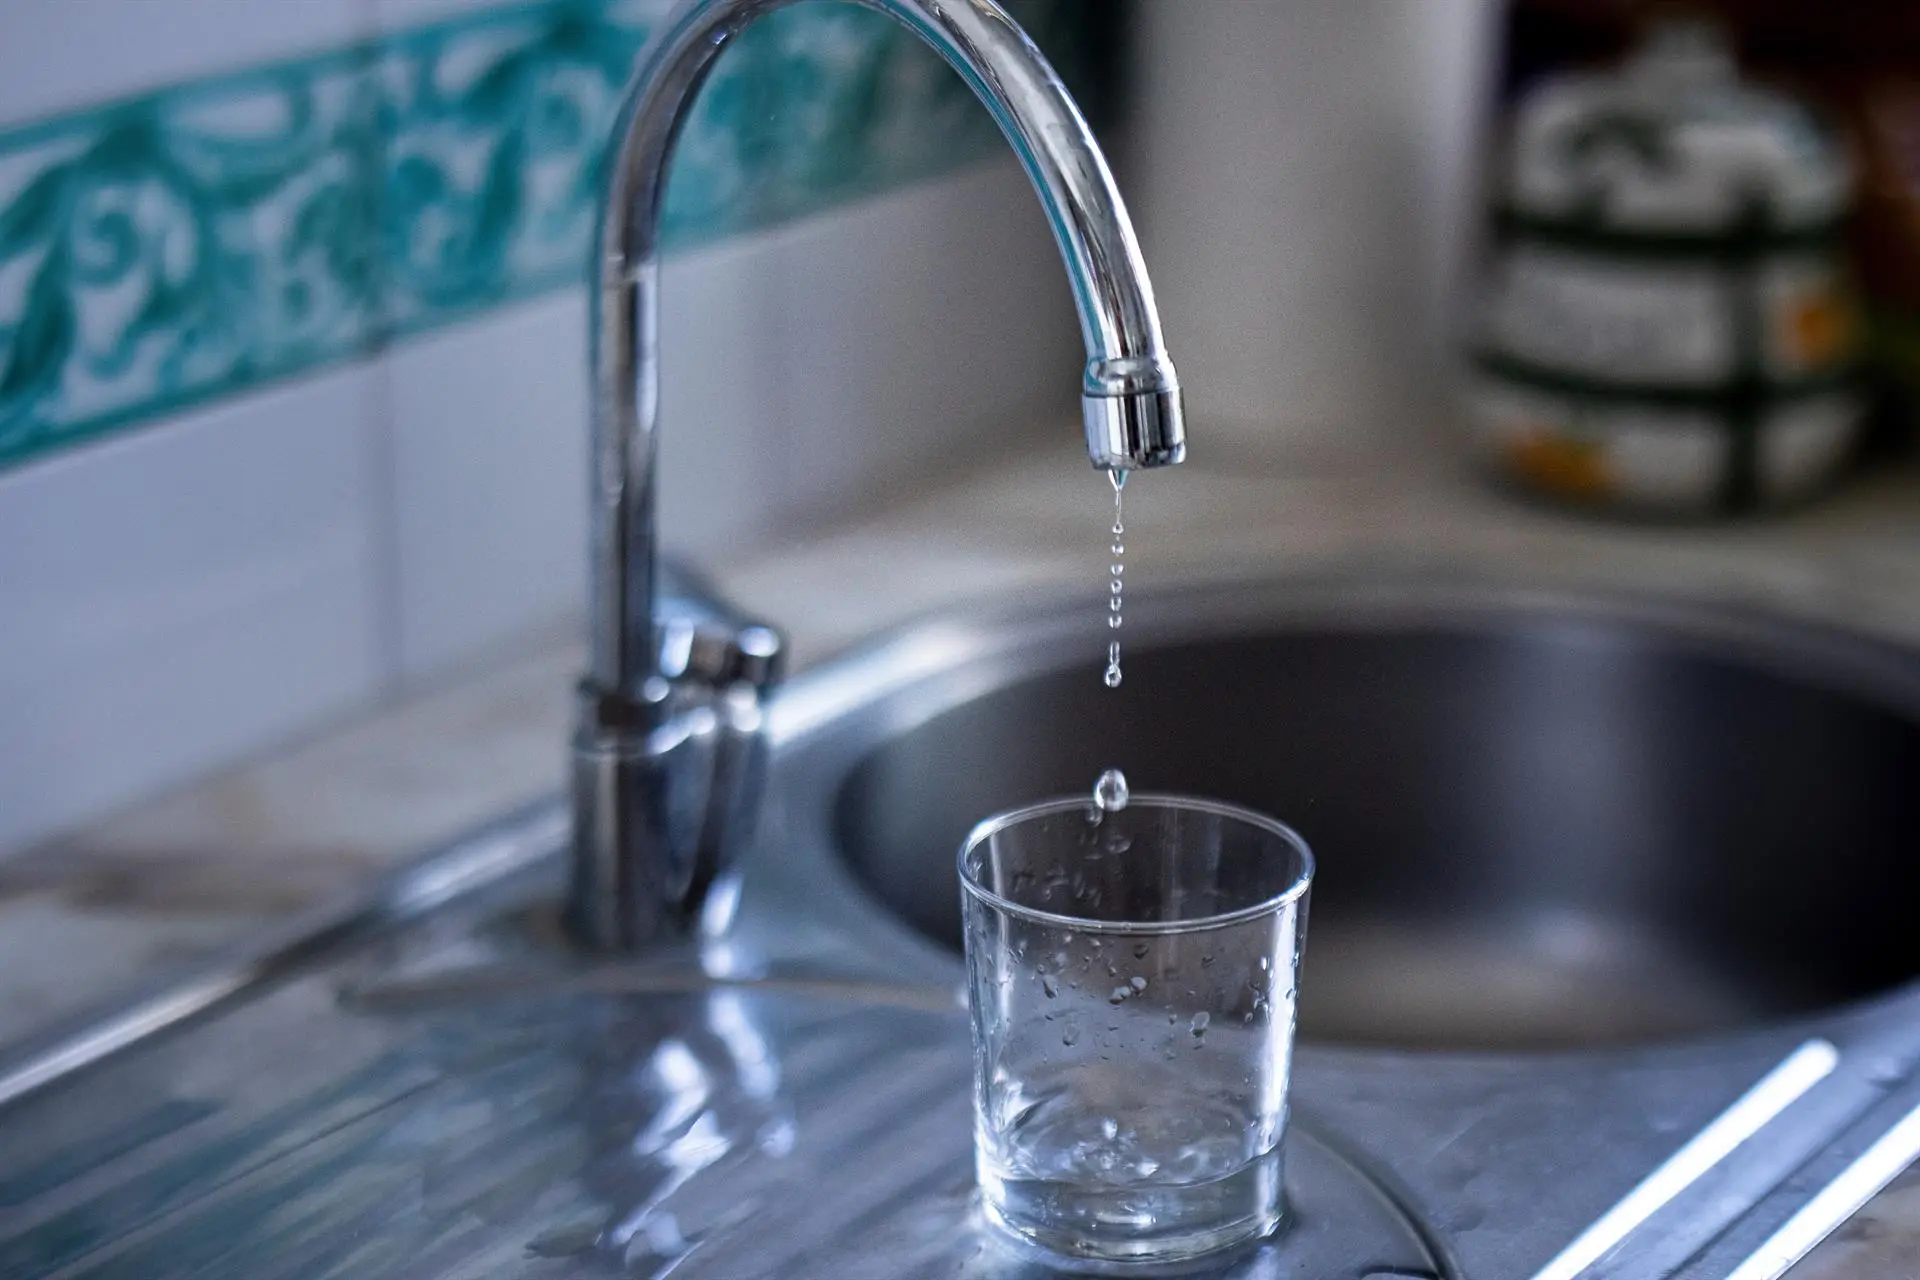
[(1110, 793)]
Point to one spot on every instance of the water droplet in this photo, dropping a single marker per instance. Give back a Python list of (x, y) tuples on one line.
[(1110, 792), (1119, 994), (1206, 962), (1137, 982), (1114, 584), (1199, 1024), (1070, 1034), (1140, 950), (1109, 1129), (1046, 985), (1263, 962)]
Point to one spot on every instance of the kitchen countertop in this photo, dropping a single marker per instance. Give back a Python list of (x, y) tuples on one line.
[(174, 880)]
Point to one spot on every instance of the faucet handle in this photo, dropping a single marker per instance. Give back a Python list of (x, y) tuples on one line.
[(714, 652), (668, 782)]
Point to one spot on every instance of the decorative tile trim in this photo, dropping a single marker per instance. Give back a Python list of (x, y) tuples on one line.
[(211, 236)]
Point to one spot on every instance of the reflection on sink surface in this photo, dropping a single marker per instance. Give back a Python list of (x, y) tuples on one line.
[(1535, 827)]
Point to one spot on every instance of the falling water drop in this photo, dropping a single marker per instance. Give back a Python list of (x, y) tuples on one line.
[(1116, 570), (1110, 792)]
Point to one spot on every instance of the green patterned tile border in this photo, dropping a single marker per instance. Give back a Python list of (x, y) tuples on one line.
[(212, 236)]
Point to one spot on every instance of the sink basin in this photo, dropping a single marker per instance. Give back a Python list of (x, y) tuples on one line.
[(1540, 822)]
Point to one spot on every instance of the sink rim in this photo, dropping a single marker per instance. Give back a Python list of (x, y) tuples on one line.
[(938, 643), (840, 711)]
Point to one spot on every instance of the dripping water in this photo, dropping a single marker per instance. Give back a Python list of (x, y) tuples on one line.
[(1110, 790), (1117, 568)]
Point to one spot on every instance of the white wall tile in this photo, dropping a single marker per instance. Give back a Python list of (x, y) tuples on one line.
[(184, 596), (490, 429), (725, 384), (56, 55), (920, 329), (802, 369)]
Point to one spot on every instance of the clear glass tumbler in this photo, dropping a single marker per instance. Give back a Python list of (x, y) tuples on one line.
[(1131, 976)]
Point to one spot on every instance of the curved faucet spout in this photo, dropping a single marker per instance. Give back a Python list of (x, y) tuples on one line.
[(1130, 396)]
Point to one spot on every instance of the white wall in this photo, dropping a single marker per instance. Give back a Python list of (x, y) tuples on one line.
[(205, 587), (804, 370)]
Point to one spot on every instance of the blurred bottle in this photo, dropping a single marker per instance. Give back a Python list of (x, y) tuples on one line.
[(1668, 323), (1861, 62), (1304, 175)]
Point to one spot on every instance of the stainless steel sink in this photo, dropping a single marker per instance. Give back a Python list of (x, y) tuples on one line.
[(1539, 822), (1542, 822)]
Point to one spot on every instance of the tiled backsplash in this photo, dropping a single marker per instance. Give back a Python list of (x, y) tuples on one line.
[(236, 555), (189, 242)]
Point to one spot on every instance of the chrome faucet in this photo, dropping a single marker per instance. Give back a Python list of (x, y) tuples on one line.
[(667, 753)]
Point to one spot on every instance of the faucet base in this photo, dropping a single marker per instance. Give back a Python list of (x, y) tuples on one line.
[(664, 802)]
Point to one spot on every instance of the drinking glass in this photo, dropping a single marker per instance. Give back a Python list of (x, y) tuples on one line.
[(1131, 977)]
